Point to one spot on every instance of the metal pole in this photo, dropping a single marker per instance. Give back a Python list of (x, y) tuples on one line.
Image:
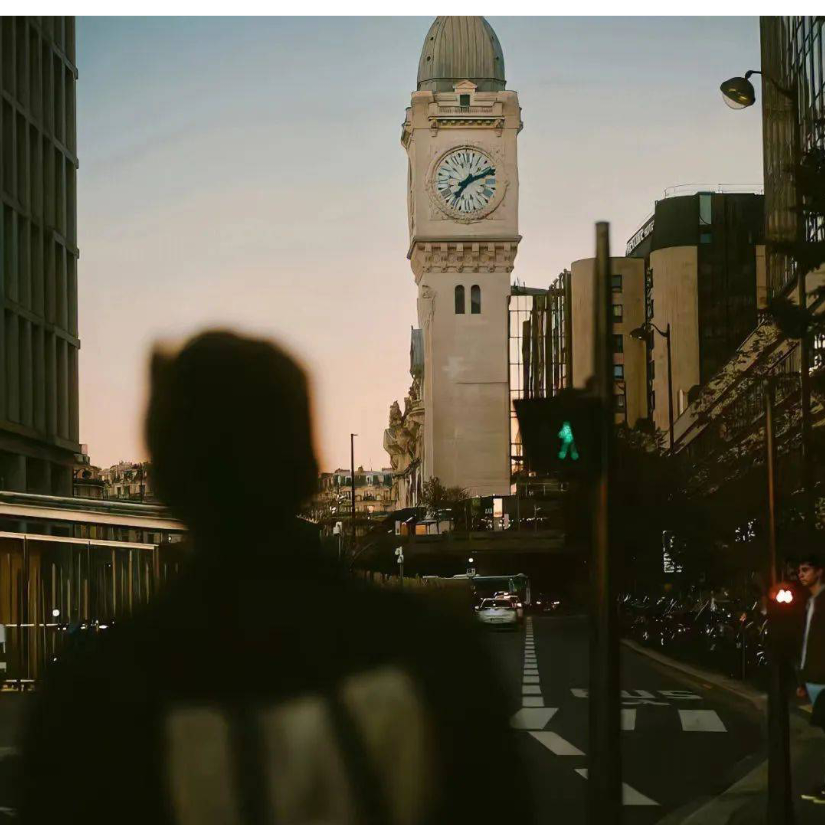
[(780, 807), (669, 388), (352, 487), (605, 771)]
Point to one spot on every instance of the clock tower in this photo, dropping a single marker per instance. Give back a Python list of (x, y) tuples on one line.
[(460, 136)]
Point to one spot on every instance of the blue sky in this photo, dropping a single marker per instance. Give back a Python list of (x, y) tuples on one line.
[(248, 172)]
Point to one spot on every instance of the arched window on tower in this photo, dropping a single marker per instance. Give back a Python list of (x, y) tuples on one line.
[(459, 300), (475, 300)]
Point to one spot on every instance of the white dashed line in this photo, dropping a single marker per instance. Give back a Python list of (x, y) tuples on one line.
[(630, 796), (555, 743), (532, 718), (706, 721)]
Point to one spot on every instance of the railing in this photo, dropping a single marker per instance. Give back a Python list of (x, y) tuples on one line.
[(466, 110), (720, 188)]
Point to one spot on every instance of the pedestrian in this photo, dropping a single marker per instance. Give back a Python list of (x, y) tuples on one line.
[(262, 685), (812, 657)]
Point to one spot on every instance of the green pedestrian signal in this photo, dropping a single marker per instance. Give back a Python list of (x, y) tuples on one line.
[(568, 443), (561, 434)]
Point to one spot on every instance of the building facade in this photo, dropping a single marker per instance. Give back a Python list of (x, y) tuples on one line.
[(460, 137), (87, 479), (720, 438), (628, 307), (128, 480), (332, 501), (39, 427), (539, 355)]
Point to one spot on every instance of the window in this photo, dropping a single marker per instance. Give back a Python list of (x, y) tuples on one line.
[(618, 370), (618, 343), (705, 237), (616, 282), (617, 312), (705, 209), (475, 300), (464, 100), (459, 300)]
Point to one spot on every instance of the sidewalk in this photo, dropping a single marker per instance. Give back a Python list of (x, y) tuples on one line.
[(745, 802)]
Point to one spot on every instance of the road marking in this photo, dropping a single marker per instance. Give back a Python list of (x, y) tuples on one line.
[(579, 693), (630, 796), (532, 718), (681, 694), (555, 743), (530, 680), (531, 689), (532, 702), (531, 671), (707, 721), (628, 718), (641, 694)]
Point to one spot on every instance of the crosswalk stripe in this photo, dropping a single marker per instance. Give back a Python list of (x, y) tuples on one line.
[(531, 689), (532, 718), (531, 671), (530, 680), (532, 701), (707, 721), (555, 743), (630, 796), (628, 718)]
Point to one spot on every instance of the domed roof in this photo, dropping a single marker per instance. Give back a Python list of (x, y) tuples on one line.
[(461, 48)]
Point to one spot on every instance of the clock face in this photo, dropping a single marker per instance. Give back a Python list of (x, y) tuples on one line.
[(465, 180)]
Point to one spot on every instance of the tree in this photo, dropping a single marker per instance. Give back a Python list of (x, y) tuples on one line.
[(435, 496)]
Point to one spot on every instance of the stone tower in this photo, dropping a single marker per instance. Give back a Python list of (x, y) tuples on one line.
[(460, 136)]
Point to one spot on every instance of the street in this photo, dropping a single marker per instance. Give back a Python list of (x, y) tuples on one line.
[(683, 740)]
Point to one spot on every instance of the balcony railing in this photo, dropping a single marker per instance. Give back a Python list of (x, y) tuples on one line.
[(465, 110)]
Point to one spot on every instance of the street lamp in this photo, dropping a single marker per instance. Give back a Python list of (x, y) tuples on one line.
[(738, 92), (643, 333)]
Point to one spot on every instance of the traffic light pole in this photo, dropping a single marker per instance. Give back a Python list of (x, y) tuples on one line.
[(780, 806), (605, 772)]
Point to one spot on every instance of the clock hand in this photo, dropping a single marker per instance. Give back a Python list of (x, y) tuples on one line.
[(472, 178)]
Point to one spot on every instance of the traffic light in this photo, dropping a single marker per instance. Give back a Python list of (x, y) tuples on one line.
[(785, 618), (561, 434)]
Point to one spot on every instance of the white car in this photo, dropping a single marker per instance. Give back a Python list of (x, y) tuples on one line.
[(498, 613)]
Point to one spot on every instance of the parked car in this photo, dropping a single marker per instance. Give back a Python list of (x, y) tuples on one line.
[(498, 613)]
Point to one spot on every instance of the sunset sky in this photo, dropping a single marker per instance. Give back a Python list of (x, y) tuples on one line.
[(248, 173)]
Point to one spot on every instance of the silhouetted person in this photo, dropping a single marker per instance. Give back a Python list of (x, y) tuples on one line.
[(261, 686)]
